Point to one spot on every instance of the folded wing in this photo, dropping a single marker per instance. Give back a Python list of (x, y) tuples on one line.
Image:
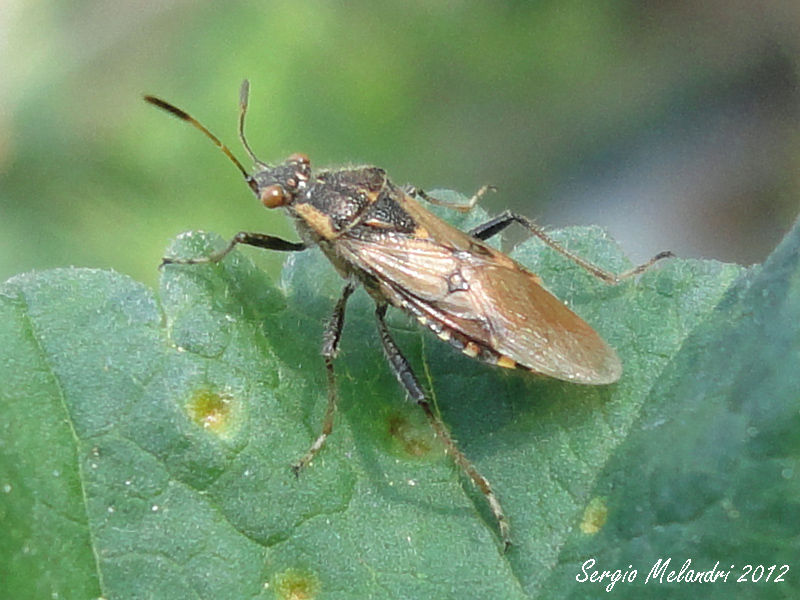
[(467, 286)]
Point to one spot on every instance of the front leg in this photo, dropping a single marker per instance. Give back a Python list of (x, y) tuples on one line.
[(259, 240)]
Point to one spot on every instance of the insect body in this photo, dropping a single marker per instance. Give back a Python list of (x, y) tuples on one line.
[(378, 236)]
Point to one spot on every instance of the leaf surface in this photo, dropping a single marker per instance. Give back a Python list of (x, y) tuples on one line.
[(146, 442)]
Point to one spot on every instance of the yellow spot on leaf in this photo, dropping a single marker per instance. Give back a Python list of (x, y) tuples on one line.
[(296, 584), (413, 440), (595, 516), (214, 411)]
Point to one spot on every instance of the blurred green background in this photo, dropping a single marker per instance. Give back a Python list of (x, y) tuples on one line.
[(673, 124)]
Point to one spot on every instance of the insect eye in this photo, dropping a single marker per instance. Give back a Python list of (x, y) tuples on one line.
[(273, 196)]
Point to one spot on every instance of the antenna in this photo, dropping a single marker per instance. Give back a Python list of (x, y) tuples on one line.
[(244, 93), (184, 116)]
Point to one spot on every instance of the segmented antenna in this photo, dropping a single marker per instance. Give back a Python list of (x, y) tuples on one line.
[(184, 116), (244, 93)]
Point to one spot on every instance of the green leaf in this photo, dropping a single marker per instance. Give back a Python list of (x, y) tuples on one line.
[(145, 444)]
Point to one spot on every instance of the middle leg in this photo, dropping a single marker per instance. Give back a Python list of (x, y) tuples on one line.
[(405, 375), (330, 348)]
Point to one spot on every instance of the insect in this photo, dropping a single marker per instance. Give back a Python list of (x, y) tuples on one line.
[(378, 236)]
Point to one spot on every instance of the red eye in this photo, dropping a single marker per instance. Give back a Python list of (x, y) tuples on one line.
[(273, 196)]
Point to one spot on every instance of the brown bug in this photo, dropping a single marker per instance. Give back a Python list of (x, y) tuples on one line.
[(471, 295)]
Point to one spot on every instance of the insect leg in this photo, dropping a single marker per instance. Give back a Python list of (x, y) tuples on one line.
[(418, 193), (405, 375), (259, 240), (330, 348), (500, 222)]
